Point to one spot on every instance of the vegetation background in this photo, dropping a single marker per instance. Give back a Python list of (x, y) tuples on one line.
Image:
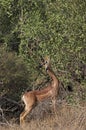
[(32, 29)]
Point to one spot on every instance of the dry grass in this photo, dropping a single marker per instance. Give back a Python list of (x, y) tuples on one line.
[(67, 117)]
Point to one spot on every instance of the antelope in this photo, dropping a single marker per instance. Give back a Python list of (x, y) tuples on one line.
[(31, 98)]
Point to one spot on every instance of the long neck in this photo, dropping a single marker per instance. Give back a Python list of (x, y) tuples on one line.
[(52, 75)]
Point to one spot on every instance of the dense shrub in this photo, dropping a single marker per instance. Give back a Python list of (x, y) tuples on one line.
[(37, 28), (13, 74)]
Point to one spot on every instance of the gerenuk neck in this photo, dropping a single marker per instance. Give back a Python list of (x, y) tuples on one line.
[(53, 77)]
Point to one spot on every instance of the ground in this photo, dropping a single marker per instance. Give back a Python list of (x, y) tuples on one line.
[(67, 117)]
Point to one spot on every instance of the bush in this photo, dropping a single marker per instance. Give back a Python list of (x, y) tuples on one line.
[(13, 74)]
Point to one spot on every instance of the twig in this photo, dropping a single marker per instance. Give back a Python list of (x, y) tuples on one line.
[(10, 100), (4, 117)]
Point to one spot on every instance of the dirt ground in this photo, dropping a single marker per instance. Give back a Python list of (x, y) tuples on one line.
[(67, 117)]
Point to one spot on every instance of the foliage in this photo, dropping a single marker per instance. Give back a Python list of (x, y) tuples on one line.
[(9, 16), (35, 28), (55, 28), (13, 74)]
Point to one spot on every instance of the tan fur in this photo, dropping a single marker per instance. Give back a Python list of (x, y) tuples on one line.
[(31, 98)]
